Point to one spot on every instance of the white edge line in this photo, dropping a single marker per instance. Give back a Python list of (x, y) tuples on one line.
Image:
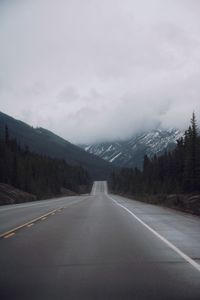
[(38, 203), (169, 244), (105, 188), (93, 192)]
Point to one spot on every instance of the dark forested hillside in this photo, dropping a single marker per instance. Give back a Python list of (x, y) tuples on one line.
[(38, 174), (175, 172), (45, 142)]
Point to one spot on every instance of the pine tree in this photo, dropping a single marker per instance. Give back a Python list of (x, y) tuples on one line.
[(192, 162), (177, 171), (6, 135)]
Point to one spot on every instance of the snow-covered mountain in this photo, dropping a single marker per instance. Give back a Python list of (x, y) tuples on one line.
[(130, 153)]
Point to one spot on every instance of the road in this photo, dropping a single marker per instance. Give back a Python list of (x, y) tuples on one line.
[(98, 246)]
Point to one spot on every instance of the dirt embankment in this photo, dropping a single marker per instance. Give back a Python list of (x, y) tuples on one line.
[(11, 195)]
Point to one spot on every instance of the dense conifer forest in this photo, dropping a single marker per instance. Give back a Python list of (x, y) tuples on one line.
[(44, 142), (38, 174), (175, 172)]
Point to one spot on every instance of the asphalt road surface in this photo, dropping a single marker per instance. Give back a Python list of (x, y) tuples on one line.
[(98, 246)]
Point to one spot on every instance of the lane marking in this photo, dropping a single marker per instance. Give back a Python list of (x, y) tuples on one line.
[(27, 223), (41, 203), (44, 218), (60, 209), (9, 235), (169, 244), (94, 187), (105, 188)]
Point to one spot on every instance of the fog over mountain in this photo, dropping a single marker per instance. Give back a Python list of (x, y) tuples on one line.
[(95, 70), (130, 153)]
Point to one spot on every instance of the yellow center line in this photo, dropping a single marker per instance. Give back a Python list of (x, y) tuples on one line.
[(9, 235), (31, 224), (12, 231)]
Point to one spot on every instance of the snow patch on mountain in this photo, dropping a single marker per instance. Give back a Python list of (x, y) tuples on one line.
[(112, 159), (130, 153)]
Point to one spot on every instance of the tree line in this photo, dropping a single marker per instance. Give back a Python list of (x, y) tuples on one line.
[(177, 171), (38, 174)]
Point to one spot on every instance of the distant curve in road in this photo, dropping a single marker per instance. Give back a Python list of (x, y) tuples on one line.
[(94, 249)]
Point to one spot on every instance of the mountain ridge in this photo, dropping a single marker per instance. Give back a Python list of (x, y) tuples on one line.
[(45, 142), (130, 152)]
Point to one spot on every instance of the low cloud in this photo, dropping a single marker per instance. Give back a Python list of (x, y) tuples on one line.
[(100, 70)]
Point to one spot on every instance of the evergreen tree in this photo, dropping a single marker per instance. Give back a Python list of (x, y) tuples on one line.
[(38, 174), (177, 171), (6, 135), (192, 163)]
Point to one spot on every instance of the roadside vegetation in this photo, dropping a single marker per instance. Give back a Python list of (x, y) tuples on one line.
[(37, 174), (172, 179)]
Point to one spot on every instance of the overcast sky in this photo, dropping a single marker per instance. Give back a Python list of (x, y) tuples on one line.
[(93, 70)]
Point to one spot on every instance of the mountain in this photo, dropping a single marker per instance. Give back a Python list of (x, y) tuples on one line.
[(43, 141), (130, 153)]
